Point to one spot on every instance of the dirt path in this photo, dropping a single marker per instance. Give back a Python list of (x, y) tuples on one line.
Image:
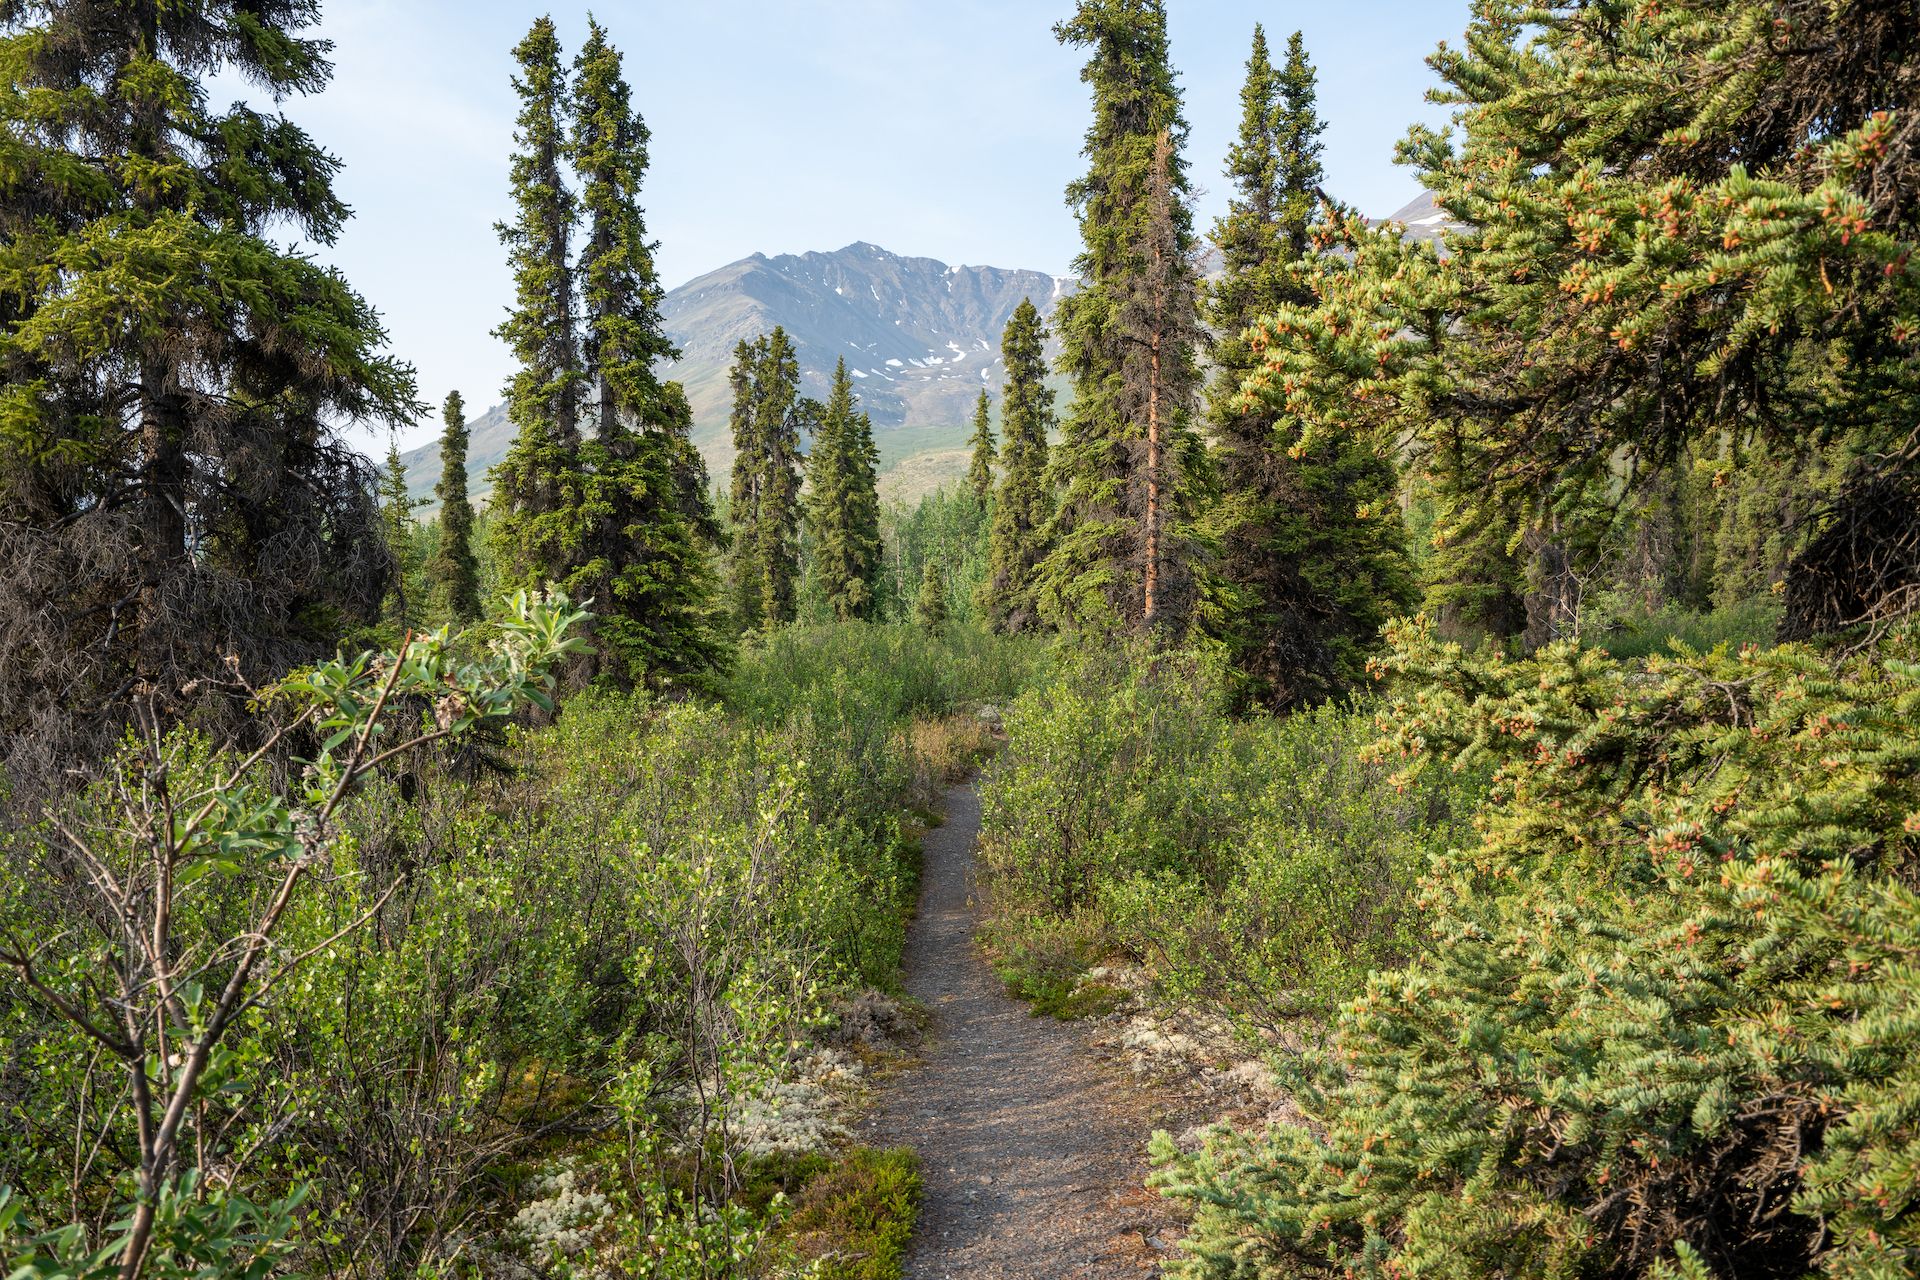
[(1032, 1152)]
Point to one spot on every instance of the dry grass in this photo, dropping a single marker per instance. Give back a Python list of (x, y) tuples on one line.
[(948, 749)]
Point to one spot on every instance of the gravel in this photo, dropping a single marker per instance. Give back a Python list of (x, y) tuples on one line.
[(1032, 1149)]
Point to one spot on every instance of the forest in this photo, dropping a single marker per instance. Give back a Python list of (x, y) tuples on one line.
[(1479, 673)]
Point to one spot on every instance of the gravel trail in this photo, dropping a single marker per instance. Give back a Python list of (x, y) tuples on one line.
[(1032, 1150)]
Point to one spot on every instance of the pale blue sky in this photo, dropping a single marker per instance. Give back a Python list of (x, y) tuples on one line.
[(941, 129)]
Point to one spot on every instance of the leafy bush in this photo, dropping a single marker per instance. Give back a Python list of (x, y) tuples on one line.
[(625, 932), (1259, 868), (1753, 621), (896, 669), (857, 1216), (1666, 1027)]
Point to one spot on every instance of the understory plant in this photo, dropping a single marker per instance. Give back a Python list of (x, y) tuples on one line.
[(1257, 868), (1664, 1025)]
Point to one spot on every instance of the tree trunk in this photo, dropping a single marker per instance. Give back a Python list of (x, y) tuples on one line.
[(1152, 575), (162, 521)]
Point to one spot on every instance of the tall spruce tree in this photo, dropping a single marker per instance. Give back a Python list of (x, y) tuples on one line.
[(538, 486), (1129, 463), (1703, 232), (1023, 508), (173, 492), (843, 504), (454, 571), (930, 606), (768, 415), (641, 549), (1312, 554), (980, 466), (401, 610)]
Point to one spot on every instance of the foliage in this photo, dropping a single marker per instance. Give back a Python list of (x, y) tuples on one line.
[(980, 464), (897, 669), (1678, 219), (857, 1216), (612, 949), (1023, 507), (537, 486), (930, 610), (453, 570), (173, 487), (843, 507), (151, 931), (401, 611), (768, 416), (1312, 557), (1257, 868), (1663, 1026), (613, 516), (946, 530), (1129, 464)]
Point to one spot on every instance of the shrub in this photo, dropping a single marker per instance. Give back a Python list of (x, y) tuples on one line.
[(857, 1216), (1666, 1025), (625, 932), (1259, 868)]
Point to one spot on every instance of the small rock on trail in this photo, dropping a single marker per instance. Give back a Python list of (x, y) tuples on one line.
[(1033, 1157)]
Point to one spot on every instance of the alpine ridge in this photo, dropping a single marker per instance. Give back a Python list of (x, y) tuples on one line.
[(920, 337)]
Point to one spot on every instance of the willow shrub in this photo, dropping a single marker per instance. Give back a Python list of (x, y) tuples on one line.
[(617, 941), (1259, 868), (1666, 1026)]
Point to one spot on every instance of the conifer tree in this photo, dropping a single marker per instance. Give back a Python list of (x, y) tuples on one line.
[(930, 608), (1312, 552), (454, 571), (538, 486), (768, 415), (172, 488), (1705, 218), (641, 546), (1024, 505), (1129, 464), (401, 609), (980, 467), (843, 504)]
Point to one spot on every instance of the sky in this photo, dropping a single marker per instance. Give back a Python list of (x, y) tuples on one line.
[(943, 129)]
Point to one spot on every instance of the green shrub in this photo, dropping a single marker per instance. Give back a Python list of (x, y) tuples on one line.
[(1259, 868), (1671, 631), (1043, 961), (629, 929), (897, 669), (857, 1217), (1666, 1026)]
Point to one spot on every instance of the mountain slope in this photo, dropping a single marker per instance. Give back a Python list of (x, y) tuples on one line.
[(921, 339)]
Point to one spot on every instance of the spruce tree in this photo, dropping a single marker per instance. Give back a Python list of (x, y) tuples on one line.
[(768, 415), (1700, 234), (1129, 464), (401, 609), (454, 571), (843, 505), (1024, 505), (930, 608), (538, 486), (173, 490), (1312, 551), (641, 546), (980, 467)]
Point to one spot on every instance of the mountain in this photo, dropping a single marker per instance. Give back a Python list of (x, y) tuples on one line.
[(921, 339)]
